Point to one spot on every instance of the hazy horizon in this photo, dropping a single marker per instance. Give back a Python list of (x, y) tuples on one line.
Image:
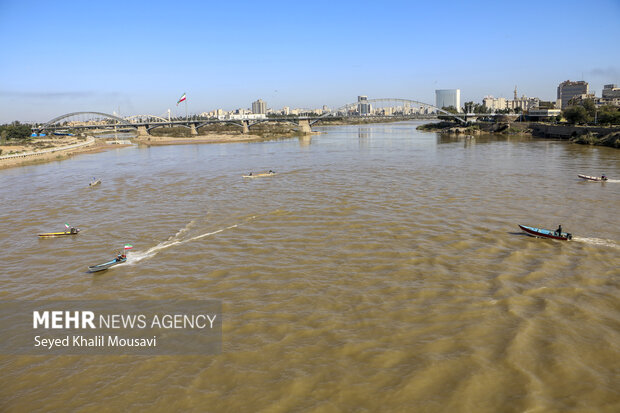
[(140, 58)]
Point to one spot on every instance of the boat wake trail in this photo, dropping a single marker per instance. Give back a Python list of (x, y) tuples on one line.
[(598, 241), (614, 181), (177, 239)]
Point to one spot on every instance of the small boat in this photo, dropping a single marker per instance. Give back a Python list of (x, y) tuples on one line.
[(106, 265), (270, 173), (545, 233), (120, 258), (593, 178), (94, 182), (72, 231)]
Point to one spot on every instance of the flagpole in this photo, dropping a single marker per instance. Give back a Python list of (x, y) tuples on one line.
[(186, 118)]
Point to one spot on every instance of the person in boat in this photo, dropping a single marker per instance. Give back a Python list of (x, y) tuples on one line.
[(559, 230), (271, 172), (73, 230), (119, 257), (250, 174), (603, 178)]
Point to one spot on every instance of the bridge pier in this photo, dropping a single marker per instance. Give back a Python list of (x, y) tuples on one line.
[(246, 127), (142, 131), (192, 130), (304, 126)]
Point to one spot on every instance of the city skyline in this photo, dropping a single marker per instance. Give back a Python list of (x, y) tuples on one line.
[(139, 58)]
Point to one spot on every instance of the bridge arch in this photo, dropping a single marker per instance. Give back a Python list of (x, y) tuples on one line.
[(393, 100), (122, 121)]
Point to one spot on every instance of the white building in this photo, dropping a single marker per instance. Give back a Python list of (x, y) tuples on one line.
[(448, 97), (246, 116), (494, 103), (524, 103)]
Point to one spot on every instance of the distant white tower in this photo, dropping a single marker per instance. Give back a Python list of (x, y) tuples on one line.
[(448, 97)]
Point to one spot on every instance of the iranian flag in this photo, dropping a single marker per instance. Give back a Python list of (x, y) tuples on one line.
[(182, 99), (128, 247), (66, 225)]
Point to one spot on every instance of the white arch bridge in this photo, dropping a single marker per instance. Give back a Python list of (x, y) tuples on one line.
[(369, 109)]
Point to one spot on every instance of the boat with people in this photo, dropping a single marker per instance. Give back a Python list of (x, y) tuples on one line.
[(546, 233), (261, 175), (68, 231), (120, 258), (601, 178), (94, 182)]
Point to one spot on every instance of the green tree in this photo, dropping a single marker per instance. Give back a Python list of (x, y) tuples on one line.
[(450, 109), (589, 106), (15, 131), (576, 114), (609, 115), (481, 109)]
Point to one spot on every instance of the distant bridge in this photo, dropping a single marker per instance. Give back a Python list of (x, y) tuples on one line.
[(383, 108), (402, 104)]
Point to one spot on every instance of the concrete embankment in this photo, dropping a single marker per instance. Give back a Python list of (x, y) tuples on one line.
[(593, 135)]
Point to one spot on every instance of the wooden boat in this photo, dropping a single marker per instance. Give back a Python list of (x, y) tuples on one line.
[(545, 233), (95, 182), (106, 265), (260, 175), (59, 234), (593, 178)]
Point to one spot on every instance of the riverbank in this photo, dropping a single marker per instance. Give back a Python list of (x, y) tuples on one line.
[(476, 128), (34, 151), (585, 135)]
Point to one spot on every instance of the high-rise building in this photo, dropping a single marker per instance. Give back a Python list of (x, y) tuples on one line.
[(568, 90), (610, 96), (259, 107), (611, 92), (363, 107), (448, 97)]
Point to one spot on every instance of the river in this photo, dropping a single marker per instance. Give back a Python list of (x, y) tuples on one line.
[(381, 269)]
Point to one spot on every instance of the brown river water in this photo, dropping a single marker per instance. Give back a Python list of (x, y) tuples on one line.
[(381, 269)]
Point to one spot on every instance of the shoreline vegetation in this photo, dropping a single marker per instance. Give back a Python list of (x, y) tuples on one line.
[(585, 135)]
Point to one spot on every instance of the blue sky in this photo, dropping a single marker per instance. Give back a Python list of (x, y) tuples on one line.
[(139, 57)]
